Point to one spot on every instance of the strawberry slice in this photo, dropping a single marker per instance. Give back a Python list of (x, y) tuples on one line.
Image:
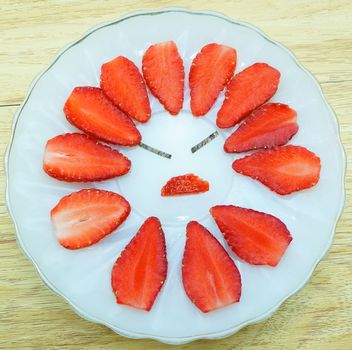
[(124, 85), (76, 157), (140, 271), (164, 74), (210, 72), (184, 184), (246, 91), (283, 169), (210, 277), (83, 218), (257, 238), (90, 110), (273, 124)]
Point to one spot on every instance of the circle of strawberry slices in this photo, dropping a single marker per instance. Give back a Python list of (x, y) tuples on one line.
[(106, 113)]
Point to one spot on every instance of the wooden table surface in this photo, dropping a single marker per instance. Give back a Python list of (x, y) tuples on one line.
[(320, 35)]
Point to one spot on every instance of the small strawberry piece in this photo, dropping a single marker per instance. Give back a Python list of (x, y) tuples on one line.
[(210, 72), (283, 169), (184, 184), (272, 124), (76, 157), (140, 271), (257, 238), (124, 85), (90, 110), (83, 218), (164, 74), (247, 91), (210, 277)]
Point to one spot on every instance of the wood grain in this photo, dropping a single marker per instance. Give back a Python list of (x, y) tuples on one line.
[(320, 35)]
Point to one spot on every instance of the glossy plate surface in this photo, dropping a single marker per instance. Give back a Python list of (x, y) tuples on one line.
[(83, 277)]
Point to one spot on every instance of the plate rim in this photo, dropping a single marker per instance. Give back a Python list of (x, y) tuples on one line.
[(138, 335)]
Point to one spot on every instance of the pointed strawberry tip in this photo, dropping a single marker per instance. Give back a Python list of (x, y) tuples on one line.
[(235, 165), (143, 119), (196, 112), (191, 226), (226, 147), (221, 124), (137, 136), (214, 209), (153, 219), (175, 113)]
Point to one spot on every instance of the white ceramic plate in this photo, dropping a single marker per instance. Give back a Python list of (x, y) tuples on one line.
[(83, 277)]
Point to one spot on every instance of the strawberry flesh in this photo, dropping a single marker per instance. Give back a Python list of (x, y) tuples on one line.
[(283, 169), (140, 271), (91, 111), (210, 72), (184, 184), (247, 91), (164, 74), (272, 124), (210, 277), (257, 238), (123, 83), (83, 218), (76, 157)]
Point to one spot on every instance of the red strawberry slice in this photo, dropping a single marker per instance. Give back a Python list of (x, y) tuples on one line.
[(283, 169), (246, 91), (210, 72), (164, 74), (184, 184), (257, 238), (210, 277), (270, 125), (83, 218), (123, 84), (140, 271), (76, 157), (90, 110)]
